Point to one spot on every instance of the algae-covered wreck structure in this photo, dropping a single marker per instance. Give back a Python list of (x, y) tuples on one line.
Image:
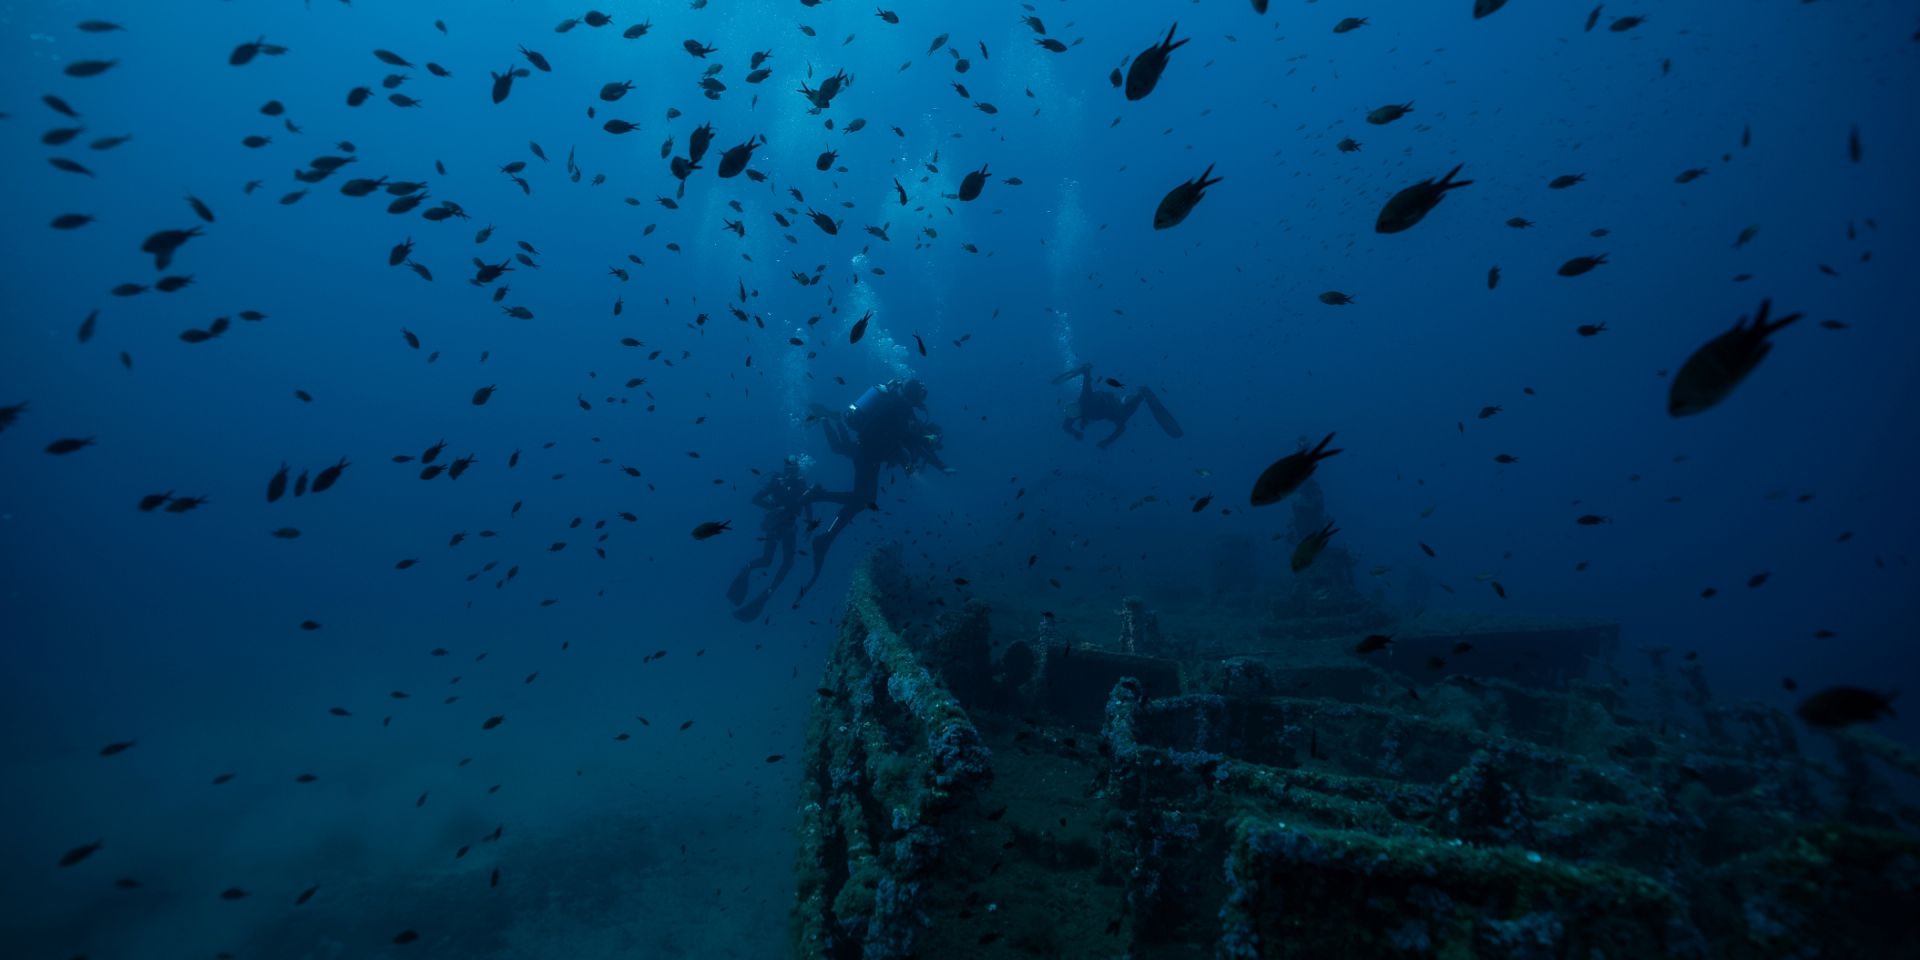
[(981, 789)]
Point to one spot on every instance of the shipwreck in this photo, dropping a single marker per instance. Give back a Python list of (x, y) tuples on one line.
[(979, 790)]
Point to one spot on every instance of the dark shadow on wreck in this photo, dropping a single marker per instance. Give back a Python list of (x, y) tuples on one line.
[(973, 792)]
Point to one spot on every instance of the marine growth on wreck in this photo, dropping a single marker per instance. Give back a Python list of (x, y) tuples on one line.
[(978, 788)]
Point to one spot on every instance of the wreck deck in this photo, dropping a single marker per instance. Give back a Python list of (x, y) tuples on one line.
[(979, 795)]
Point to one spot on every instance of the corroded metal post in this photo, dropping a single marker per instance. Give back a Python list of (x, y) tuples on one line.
[(889, 752)]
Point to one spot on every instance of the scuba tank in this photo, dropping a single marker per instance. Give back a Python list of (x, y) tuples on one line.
[(861, 411)]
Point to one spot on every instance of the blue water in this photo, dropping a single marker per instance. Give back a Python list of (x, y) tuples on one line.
[(181, 632)]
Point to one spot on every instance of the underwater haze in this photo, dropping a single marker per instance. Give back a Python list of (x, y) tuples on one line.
[(259, 704)]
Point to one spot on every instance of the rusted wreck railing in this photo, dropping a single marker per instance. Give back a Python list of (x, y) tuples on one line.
[(889, 752)]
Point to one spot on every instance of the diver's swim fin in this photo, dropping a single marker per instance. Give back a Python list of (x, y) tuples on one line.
[(1160, 414), (737, 590), (1080, 370), (751, 612)]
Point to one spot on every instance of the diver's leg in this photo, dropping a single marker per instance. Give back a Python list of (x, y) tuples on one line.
[(822, 543), (751, 610), (787, 544), (866, 485), (1083, 370), (1120, 420), (1160, 414), (1068, 426), (737, 590), (821, 494)]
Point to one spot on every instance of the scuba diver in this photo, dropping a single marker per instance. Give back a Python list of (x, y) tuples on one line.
[(921, 449), (882, 427), (1107, 405), (784, 498)]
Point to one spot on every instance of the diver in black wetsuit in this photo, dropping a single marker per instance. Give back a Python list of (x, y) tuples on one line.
[(784, 498), (1106, 405), (882, 427)]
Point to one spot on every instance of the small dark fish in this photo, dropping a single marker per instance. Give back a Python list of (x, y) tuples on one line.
[(1373, 643), (67, 445), (1579, 265), (1310, 547), (1144, 73), (244, 53), (89, 68), (711, 529), (972, 184), (70, 166), (1719, 365), (1837, 707), (1201, 504), (859, 328), (80, 853), (326, 478), (1381, 116), (1412, 204), (306, 895), (1286, 474), (1180, 201)]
